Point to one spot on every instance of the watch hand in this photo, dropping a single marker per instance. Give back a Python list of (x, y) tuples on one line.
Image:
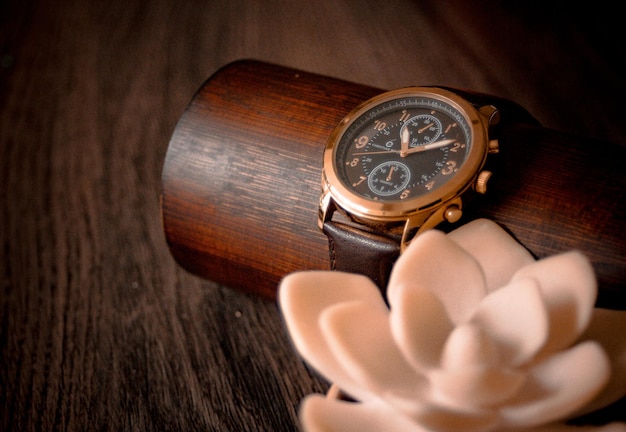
[(391, 169), (404, 140), (424, 128), (426, 147), (376, 152), (417, 149)]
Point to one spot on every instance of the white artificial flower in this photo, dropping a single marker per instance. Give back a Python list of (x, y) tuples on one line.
[(476, 336)]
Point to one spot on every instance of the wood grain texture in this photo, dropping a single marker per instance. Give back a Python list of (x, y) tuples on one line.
[(100, 329), (242, 176)]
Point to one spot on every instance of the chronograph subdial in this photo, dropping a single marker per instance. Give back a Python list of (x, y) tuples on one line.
[(389, 178), (420, 129)]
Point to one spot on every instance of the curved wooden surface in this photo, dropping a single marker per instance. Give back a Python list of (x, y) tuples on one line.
[(100, 328), (241, 182)]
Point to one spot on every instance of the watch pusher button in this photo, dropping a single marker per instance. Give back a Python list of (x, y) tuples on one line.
[(481, 181), (494, 146), (452, 214)]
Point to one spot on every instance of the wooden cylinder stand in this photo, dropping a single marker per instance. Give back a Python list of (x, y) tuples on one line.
[(242, 180)]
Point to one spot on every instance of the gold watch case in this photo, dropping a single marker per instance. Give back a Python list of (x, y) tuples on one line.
[(420, 212)]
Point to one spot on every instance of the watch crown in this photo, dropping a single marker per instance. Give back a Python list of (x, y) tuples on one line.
[(492, 113), (481, 182)]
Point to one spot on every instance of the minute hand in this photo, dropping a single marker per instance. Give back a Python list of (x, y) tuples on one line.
[(426, 147)]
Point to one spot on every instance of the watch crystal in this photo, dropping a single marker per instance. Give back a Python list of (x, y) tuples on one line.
[(403, 148)]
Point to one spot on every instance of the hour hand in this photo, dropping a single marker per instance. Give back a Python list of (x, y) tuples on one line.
[(405, 136), (426, 147)]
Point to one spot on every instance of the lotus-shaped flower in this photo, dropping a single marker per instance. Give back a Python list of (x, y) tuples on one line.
[(476, 335)]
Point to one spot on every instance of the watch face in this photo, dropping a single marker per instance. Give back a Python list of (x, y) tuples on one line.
[(404, 150)]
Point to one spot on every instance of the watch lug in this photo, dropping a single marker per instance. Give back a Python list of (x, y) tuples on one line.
[(450, 211), (326, 208)]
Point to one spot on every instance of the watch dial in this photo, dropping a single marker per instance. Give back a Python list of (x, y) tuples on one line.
[(402, 148)]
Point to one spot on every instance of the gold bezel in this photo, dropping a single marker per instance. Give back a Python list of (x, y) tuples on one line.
[(387, 211)]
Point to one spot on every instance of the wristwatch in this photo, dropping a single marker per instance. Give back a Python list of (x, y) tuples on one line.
[(401, 163)]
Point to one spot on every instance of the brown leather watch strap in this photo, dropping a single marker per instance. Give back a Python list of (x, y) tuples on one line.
[(355, 250)]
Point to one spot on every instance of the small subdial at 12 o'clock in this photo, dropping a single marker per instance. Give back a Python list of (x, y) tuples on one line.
[(423, 129)]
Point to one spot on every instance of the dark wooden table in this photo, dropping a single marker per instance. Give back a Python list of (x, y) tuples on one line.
[(99, 328)]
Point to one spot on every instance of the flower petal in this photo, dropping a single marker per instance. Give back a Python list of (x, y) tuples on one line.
[(497, 252), (470, 373), (320, 414), (558, 386), (476, 386), (517, 320), (563, 427), (442, 418), (303, 296), (469, 346), (360, 337), (435, 262), (607, 328), (420, 326), (569, 289)]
